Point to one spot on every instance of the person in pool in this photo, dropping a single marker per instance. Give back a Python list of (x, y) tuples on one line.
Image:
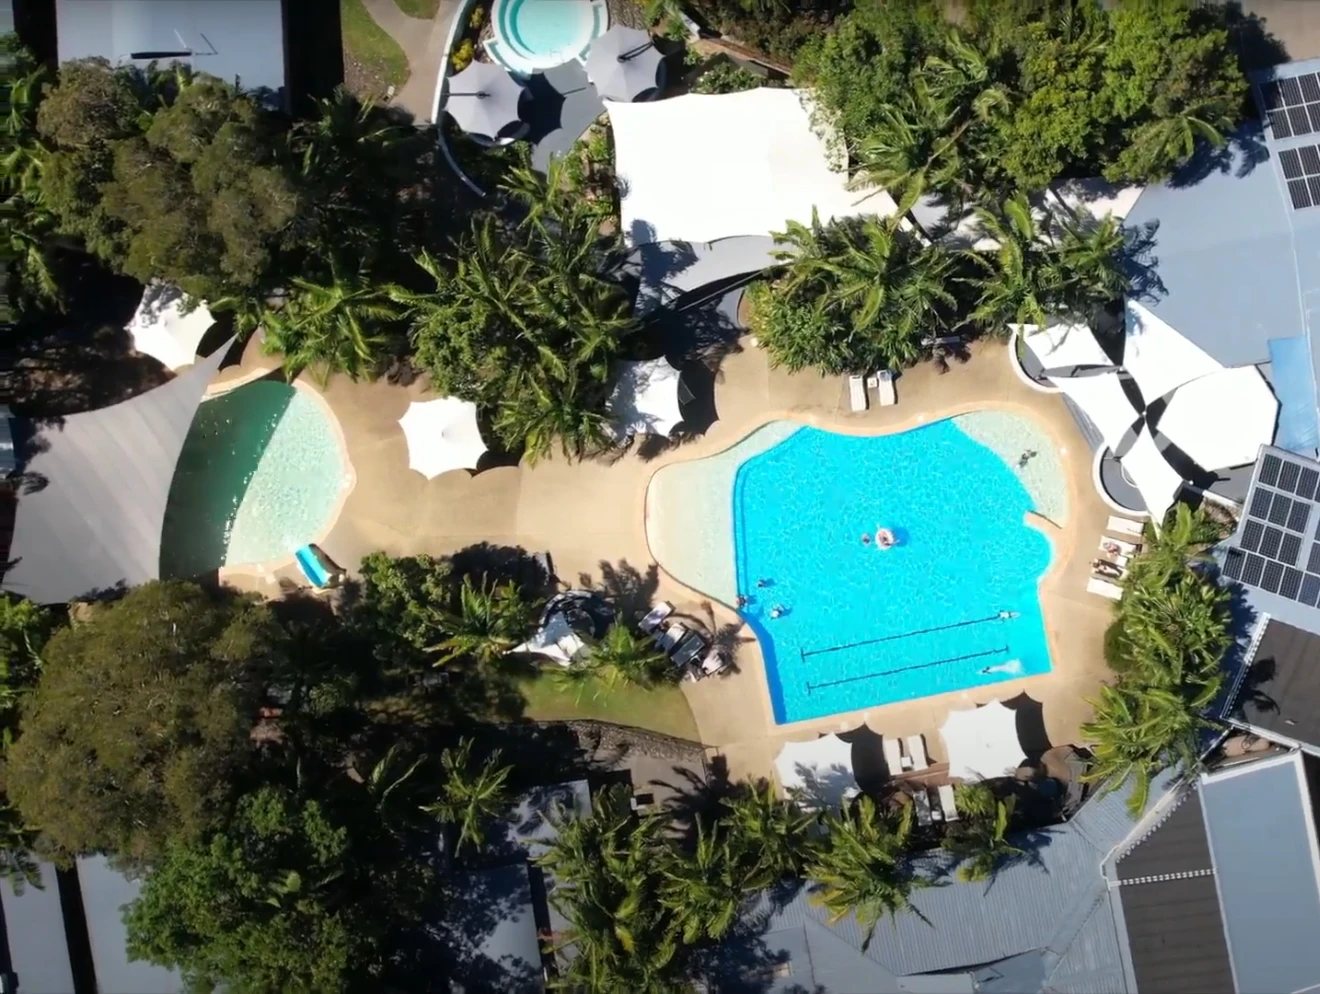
[(884, 538)]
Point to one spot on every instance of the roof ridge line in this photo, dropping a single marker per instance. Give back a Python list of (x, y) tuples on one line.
[(1160, 878)]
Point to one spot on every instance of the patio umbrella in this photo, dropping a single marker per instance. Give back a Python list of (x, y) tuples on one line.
[(982, 743), (624, 64), (820, 771), (646, 398), (1221, 419), (442, 436), (483, 100), (162, 330)]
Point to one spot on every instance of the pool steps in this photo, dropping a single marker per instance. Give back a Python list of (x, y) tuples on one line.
[(504, 50)]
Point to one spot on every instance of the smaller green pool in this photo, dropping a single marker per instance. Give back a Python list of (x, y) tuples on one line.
[(260, 475)]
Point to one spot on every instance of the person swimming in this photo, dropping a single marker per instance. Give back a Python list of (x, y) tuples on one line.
[(884, 538)]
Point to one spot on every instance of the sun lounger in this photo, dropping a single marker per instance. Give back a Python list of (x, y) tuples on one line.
[(687, 652), (857, 393), (668, 640), (917, 750), (1123, 526), (893, 755), (1117, 547), (655, 616), (922, 803), (948, 803), (715, 663), (884, 388), (1104, 588), (936, 811)]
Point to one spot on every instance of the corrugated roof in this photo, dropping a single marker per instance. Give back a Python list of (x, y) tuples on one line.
[(90, 513), (105, 893), (1178, 845), (1263, 840), (1104, 820), (1175, 936), (1091, 962), (34, 932)]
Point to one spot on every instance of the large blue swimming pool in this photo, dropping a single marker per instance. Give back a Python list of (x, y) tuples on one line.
[(953, 605)]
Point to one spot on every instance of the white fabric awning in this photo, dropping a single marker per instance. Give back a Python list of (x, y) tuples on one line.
[(699, 167), (982, 743), (162, 330), (1157, 481), (645, 398), (1063, 346), (1103, 400), (819, 772), (1159, 358), (1096, 197), (1221, 420), (442, 436), (556, 640)]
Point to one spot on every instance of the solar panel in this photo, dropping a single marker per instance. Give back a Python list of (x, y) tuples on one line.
[(1300, 168), (1291, 584), (1310, 590), (1288, 476), (1269, 470), (1253, 569), (1233, 563), (1290, 550), (1260, 503), (1251, 535), (1269, 545), (1280, 510), (1306, 485), (1300, 516), (1278, 529)]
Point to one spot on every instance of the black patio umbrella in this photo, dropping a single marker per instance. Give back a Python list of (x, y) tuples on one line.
[(624, 64), (483, 100)]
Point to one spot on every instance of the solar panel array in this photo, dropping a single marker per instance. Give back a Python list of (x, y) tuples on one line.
[(1301, 171), (1276, 548), (1293, 105)]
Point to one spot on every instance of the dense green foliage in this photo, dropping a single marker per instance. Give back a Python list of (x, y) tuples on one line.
[(978, 839)]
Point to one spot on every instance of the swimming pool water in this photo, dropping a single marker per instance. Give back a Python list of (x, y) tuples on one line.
[(260, 474), (863, 626), (539, 34)]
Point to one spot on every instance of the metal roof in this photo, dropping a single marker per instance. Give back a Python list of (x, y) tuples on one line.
[(1266, 865), (494, 945), (90, 510), (34, 932), (533, 823), (105, 892), (1286, 684), (1175, 936)]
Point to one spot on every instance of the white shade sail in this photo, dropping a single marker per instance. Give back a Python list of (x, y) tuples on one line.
[(1103, 400), (1063, 346), (818, 772), (555, 639), (645, 399), (1096, 198), (701, 167), (442, 436), (1156, 481), (1222, 419), (161, 328), (1159, 358), (982, 743)]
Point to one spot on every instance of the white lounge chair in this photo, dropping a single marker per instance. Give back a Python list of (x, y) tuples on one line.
[(1124, 526), (893, 755), (1117, 547), (857, 393), (884, 388), (716, 662), (670, 637), (922, 803), (917, 750), (655, 616), (948, 803), (936, 811), (1104, 588)]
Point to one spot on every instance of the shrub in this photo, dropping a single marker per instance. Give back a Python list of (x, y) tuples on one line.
[(726, 77), (1117, 651), (477, 18), (463, 54)]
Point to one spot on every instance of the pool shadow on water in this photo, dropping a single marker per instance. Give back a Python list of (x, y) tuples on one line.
[(220, 455)]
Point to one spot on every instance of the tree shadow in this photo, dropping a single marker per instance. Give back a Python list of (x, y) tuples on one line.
[(696, 798), (627, 588), (1250, 38)]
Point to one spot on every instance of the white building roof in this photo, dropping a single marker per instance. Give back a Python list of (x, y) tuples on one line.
[(161, 329), (1062, 346), (1158, 357), (819, 771), (1155, 479)]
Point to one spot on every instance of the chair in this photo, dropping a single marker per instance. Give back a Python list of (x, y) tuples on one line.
[(1104, 588), (715, 663), (1117, 547), (922, 803), (655, 616), (948, 803), (1123, 526), (669, 639), (884, 388), (857, 393), (690, 648), (917, 750), (893, 755)]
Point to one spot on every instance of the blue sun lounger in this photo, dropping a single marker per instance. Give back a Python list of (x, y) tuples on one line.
[(312, 567)]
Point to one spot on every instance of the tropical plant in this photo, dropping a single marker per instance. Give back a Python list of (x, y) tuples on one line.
[(391, 787), (862, 866), (1173, 634), (623, 656), (571, 412), (471, 794), (705, 889), (489, 621), (977, 839), (1024, 281), (773, 831), (1181, 543)]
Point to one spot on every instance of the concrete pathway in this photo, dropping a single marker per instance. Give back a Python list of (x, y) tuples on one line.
[(423, 42)]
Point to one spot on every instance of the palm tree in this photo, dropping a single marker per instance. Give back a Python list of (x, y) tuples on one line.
[(1024, 282), (537, 412), (1137, 732), (332, 327), (1182, 542), (773, 831), (623, 656), (388, 785), (862, 867), (1176, 633), (1091, 256), (471, 795), (705, 889), (489, 621), (977, 837)]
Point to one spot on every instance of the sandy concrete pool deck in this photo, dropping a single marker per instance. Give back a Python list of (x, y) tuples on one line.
[(591, 518)]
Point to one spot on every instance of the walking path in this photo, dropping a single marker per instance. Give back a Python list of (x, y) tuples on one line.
[(423, 42)]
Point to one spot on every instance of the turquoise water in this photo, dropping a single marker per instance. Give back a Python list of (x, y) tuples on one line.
[(260, 474), (864, 626), (549, 32)]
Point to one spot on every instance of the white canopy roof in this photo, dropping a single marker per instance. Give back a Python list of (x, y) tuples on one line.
[(1155, 479), (1063, 346), (701, 167), (645, 399), (1222, 419), (442, 436), (982, 743), (161, 329), (556, 640), (819, 772), (1102, 398), (1158, 357), (1096, 197)]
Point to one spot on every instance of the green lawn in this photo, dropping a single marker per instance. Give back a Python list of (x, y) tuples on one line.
[(662, 710), (367, 44), (418, 8)]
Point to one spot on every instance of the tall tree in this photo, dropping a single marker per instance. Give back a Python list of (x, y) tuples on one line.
[(489, 620), (774, 831), (706, 888), (471, 794), (978, 838), (139, 724)]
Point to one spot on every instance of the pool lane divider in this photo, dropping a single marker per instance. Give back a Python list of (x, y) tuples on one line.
[(1001, 616), (1003, 650)]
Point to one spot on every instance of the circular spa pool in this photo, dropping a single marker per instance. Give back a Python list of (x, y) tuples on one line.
[(261, 473), (531, 35)]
